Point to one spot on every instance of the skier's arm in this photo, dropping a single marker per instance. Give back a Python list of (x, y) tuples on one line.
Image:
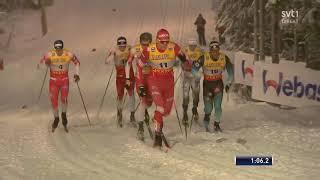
[(45, 60), (109, 57), (229, 68), (130, 63), (76, 62), (179, 53)]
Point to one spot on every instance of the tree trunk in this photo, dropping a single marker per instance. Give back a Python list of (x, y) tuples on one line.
[(274, 36), (261, 29), (255, 29)]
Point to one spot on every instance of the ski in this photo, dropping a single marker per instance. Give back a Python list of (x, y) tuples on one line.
[(165, 141), (150, 131)]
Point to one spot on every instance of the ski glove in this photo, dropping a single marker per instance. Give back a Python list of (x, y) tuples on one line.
[(142, 91), (76, 78), (227, 87)]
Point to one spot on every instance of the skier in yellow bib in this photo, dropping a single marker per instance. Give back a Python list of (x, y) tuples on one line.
[(213, 64)]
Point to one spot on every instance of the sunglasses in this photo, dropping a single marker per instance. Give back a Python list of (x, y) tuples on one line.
[(164, 42)]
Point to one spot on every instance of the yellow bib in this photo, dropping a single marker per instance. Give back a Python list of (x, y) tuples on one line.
[(60, 60), (138, 48), (193, 55), (162, 57), (213, 69)]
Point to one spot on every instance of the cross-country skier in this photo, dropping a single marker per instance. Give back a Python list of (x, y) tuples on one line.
[(162, 56), (191, 79), (58, 61), (213, 64), (120, 58), (142, 71)]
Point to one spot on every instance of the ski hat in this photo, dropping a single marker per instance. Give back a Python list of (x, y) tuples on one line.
[(214, 45), (121, 41), (163, 35), (146, 36), (58, 44), (192, 41)]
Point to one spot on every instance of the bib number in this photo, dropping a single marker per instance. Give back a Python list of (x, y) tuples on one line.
[(164, 65), (216, 71)]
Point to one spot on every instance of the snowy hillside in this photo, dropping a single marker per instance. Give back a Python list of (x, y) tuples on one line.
[(28, 150)]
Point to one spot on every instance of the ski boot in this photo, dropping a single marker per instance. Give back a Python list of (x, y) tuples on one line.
[(55, 124), (119, 118), (133, 120), (157, 140), (195, 114), (185, 119), (64, 121), (206, 121), (140, 133), (217, 126)]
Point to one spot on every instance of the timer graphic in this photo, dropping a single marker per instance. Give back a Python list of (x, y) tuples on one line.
[(253, 160)]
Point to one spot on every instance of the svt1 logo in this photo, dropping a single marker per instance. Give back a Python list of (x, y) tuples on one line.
[(246, 70), (291, 87)]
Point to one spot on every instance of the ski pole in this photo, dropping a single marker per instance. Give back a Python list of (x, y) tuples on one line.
[(43, 81), (175, 107), (135, 110), (85, 108), (105, 92), (177, 79), (191, 122)]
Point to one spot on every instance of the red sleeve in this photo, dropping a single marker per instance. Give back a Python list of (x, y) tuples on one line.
[(145, 55), (177, 49), (75, 60)]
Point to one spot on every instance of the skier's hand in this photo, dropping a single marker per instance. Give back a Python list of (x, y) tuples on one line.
[(227, 87), (142, 91), (76, 78), (48, 62), (127, 85)]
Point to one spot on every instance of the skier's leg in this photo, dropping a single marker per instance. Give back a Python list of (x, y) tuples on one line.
[(54, 92), (64, 100), (208, 104), (120, 83), (218, 95), (217, 106), (186, 90), (168, 93), (195, 84)]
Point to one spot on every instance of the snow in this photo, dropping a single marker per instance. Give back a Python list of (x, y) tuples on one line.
[(28, 150)]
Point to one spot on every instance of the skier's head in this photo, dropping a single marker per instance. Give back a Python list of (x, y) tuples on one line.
[(163, 38), (214, 47), (145, 38), (122, 43), (192, 43), (58, 46)]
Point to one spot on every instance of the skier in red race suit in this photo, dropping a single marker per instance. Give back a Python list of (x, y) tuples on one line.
[(120, 56), (58, 61), (161, 56), (142, 71)]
